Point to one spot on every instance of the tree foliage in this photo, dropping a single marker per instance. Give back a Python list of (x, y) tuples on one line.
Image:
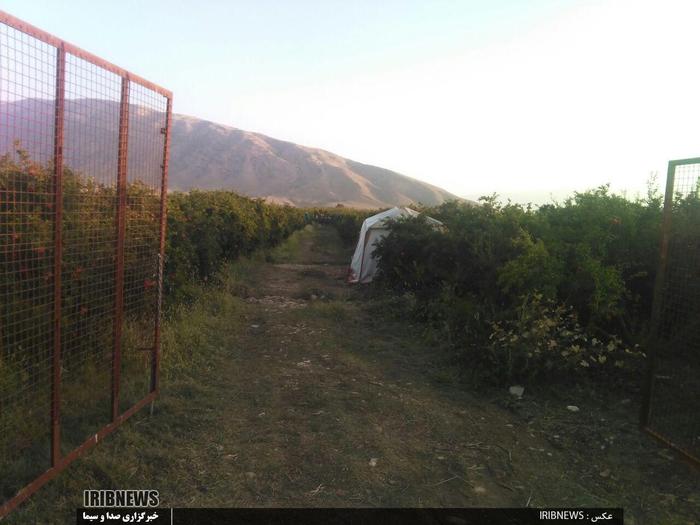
[(204, 230), (593, 255)]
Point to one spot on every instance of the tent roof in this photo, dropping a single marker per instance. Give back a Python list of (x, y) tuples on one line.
[(378, 220)]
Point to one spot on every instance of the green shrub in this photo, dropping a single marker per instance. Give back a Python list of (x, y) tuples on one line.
[(206, 229), (595, 255), (545, 342)]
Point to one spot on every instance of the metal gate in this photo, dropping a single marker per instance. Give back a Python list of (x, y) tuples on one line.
[(83, 178), (671, 407)]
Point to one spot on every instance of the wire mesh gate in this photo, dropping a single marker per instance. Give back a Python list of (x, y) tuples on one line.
[(671, 407), (83, 178)]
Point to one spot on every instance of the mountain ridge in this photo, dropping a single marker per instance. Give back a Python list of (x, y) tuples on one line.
[(282, 171), (208, 155)]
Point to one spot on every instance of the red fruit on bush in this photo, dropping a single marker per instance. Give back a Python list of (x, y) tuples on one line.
[(148, 284)]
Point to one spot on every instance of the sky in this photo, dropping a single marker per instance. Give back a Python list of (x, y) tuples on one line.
[(528, 99)]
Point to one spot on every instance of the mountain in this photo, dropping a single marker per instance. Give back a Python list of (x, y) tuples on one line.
[(208, 156), (211, 156)]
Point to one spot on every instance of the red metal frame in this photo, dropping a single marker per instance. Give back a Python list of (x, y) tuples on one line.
[(58, 254), (682, 452), (655, 343), (121, 230), (155, 369), (21, 25), (51, 473), (58, 461)]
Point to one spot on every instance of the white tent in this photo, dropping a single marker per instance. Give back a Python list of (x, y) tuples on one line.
[(363, 266)]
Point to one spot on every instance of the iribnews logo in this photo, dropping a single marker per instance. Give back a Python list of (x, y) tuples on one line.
[(120, 498)]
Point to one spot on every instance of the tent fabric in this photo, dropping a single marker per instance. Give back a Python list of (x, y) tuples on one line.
[(363, 266)]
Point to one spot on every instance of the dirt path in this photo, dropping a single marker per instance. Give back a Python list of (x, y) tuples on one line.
[(322, 404), (327, 408), (304, 395)]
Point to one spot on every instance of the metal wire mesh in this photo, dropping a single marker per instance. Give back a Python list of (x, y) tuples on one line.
[(674, 395), (91, 133), (83, 165), (147, 121), (27, 91)]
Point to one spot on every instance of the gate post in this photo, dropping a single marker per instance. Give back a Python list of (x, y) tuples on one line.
[(155, 361), (57, 255), (121, 230), (656, 301)]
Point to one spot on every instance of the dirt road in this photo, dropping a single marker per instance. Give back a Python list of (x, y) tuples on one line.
[(328, 406)]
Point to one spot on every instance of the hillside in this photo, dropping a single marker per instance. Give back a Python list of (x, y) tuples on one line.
[(208, 156)]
